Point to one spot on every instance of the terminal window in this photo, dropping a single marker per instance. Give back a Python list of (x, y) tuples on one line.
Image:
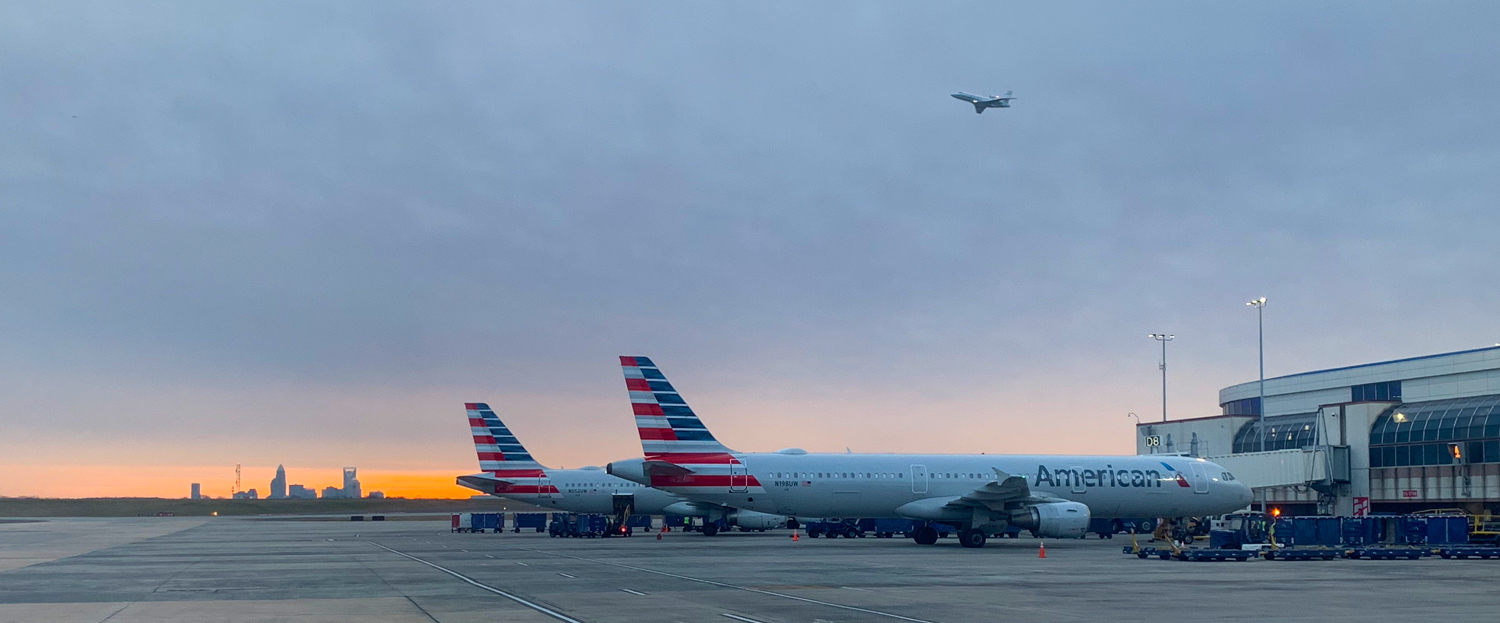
[(1441, 432), (1387, 390)]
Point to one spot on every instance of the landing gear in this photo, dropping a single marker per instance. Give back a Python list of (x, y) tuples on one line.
[(971, 538), (925, 535), (710, 528)]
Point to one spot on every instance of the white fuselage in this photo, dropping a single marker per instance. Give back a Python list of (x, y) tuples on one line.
[(592, 491), (876, 485)]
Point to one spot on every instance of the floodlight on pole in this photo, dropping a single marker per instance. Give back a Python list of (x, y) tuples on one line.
[(1260, 321), (1163, 338)]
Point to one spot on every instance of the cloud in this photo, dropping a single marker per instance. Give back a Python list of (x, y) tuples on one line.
[(344, 219)]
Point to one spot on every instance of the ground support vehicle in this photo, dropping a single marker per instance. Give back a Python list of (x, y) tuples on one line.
[(848, 529), (577, 526)]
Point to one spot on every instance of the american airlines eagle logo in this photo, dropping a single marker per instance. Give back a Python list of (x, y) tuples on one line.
[(1181, 480)]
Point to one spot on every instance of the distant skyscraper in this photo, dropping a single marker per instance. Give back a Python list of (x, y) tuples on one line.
[(299, 492), (197, 491), (278, 484), (332, 493), (351, 484)]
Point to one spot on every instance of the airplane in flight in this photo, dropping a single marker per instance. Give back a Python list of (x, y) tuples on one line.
[(508, 471), (982, 102), (980, 494)]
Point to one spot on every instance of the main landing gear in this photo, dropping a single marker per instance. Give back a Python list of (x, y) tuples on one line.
[(710, 528), (971, 538), (925, 535)]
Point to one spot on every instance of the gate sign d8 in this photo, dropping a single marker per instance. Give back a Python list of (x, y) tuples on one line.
[(1153, 441)]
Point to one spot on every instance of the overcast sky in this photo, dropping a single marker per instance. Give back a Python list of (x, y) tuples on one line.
[(306, 233)]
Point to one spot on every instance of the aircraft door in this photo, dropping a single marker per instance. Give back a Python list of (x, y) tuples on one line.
[(1200, 478), (919, 479), (544, 487), (737, 477)]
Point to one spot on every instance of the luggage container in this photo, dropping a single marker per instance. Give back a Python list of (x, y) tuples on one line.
[(1359, 531), (537, 521), (1448, 530), (456, 526), (479, 522), (889, 528)]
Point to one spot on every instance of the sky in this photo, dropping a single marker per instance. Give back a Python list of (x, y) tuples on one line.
[(307, 233)]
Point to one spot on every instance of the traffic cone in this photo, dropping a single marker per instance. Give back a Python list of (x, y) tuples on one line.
[(794, 536), (1041, 552), (663, 530)]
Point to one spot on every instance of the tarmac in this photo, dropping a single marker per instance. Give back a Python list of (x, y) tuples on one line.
[(234, 570)]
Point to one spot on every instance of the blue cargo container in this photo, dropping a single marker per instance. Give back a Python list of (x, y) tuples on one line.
[(639, 521), (1284, 531), (1448, 530), (672, 521), (537, 521), (479, 522), (1359, 530)]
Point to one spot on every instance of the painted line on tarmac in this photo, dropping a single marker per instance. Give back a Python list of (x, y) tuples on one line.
[(523, 564), (737, 617), (737, 587), (633, 592), (537, 607), (570, 577)]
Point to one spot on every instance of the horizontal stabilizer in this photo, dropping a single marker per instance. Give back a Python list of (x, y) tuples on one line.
[(663, 468), (483, 483)]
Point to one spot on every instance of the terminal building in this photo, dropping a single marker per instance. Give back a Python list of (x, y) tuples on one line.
[(1389, 437)]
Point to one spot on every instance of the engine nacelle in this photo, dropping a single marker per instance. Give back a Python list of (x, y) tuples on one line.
[(752, 520), (1055, 519)]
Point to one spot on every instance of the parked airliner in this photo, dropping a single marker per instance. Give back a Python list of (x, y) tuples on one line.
[(981, 494), (510, 472)]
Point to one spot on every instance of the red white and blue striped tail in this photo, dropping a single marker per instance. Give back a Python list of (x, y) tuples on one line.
[(500, 454), (669, 429)]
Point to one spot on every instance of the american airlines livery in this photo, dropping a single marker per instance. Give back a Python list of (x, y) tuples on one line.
[(981, 494), (508, 471)]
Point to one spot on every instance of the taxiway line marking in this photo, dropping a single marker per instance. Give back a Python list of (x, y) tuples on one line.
[(537, 607), (571, 577), (633, 592), (737, 617), (737, 587), (523, 564)]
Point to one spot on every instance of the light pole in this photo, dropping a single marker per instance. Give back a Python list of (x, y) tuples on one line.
[(1260, 321), (1163, 338)]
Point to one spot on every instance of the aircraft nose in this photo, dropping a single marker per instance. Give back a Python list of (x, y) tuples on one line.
[(1244, 494)]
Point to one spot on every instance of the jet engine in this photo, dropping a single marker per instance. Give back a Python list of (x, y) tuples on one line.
[(1054, 519), (752, 520)]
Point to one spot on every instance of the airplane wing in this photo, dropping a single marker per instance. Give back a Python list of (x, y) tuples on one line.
[(970, 98), (1004, 489)]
